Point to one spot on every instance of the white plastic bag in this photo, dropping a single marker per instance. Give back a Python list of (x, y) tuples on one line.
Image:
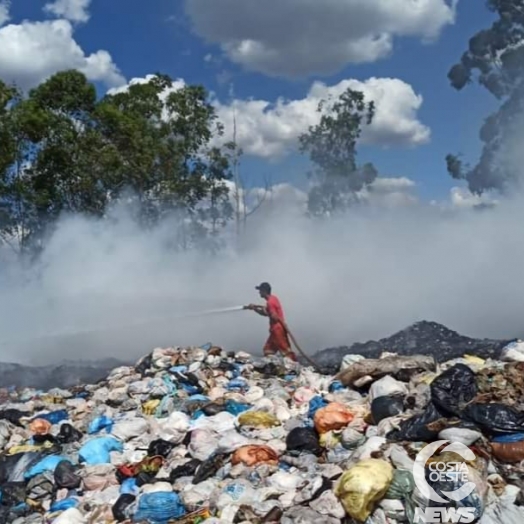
[(386, 387), (513, 352)]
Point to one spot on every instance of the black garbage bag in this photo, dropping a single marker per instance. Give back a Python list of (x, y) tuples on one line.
[(42, 439), (121, 506), (144, 478), (185, 470), (14, 416), (159, 448), (416, 428), (208, 468), (495, 419), (68, 434), (385, 407), (66, 476), (213, 409), (13, 493), (303, 440), (452, 390), (144, 365)]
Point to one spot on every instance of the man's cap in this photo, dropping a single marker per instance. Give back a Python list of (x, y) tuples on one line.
[(263, 287)]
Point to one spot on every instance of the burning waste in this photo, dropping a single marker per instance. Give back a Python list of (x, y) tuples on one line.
[(199, 435)]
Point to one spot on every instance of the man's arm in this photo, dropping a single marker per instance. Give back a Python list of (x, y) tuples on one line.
[(261, 310)]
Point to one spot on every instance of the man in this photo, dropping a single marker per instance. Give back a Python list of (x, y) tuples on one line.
[(278, 334)]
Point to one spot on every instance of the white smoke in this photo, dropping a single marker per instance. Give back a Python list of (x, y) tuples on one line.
[(362, 276)]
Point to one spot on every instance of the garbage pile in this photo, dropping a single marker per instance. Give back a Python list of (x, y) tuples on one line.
[(421, 338), (198, 435)]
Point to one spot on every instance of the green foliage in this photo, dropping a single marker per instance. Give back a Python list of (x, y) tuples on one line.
[(63, 150), (495, 58), (331, 146)]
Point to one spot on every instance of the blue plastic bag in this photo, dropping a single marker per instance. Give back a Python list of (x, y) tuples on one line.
[(100, 423), (48, 463), (64, 504), (159, 508), (235, 408), (54, 417), (237, 383), (336, 385), (507, 439), (97, 451), (315, 404), (129, 487)]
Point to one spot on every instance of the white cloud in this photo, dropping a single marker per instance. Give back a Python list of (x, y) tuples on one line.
[(390, 192), (74, 10), (4, 12), (303, 37), (463, 198), (30, 52), (269, 130)]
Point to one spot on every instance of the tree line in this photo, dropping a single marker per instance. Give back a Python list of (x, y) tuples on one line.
[(63, 149)]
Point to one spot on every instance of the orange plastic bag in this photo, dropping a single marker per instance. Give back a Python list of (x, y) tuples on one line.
[(40, 426), (510, 452), (334, 416), (252, 455)]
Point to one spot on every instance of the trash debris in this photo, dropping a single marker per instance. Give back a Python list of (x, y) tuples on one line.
[(193, 435)]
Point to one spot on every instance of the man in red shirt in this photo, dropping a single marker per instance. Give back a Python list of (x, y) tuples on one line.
[(278, 335)]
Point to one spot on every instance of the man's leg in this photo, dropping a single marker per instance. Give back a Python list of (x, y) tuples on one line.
[(269, 347), (283, 344)]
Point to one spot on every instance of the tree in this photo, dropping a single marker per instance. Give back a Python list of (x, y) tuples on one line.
[(495, 59), (64, 150), (163, 136), (331, 146)]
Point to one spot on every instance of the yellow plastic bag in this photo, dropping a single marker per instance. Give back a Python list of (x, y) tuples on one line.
[(258, 419), (149, 408), (363, 485)]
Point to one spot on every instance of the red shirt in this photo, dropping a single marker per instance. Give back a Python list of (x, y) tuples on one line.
[(274, 308)]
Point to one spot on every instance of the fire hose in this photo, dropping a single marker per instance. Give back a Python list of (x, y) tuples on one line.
[(294, 340)]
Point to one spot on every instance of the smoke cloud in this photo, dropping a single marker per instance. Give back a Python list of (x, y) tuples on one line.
[(362, 276)]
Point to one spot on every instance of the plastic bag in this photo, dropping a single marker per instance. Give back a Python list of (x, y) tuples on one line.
[(510, 452), (40, 426), (97, 451), (513, 352), (68, 434), (70, 516), (351, 438), (334, 416), (160, 447), (258, 419), (100, 423), (454, 389), (363, 485), (385, 407), (122, 507), (66, 476), (253, 455), (417, 427), (129, 429), (463, 435), (495, 418), (386, 387), (46, 464), (303, 440), (401, 486), (185, 470), (208, 468)]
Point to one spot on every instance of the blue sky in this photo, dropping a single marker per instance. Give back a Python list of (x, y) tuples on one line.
[(159, 35)]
